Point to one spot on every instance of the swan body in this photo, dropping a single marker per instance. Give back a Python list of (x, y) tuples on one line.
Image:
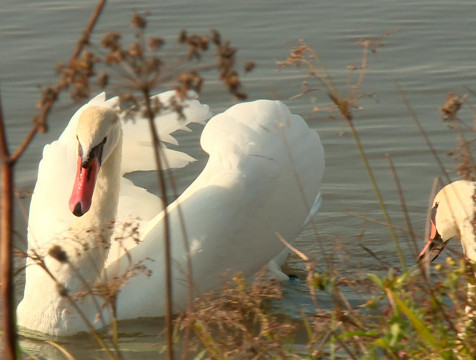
[(453, 213), (263, 177)]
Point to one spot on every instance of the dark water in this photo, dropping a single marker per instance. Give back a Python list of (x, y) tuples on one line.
[(429, 53)]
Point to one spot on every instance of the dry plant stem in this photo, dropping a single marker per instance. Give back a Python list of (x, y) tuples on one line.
[(114, 330), (61, 349), (89, 290), (423, 133), (167, 252), (308, 208), (373, 221), (84, 40), (344, 106), (6, 227), (344, 110), (375, 186), (188, 259), (309, 268), (83, 317), (403, 203), (8, 309), (370, 252), (344, 346), (40, 120), (6, 247)]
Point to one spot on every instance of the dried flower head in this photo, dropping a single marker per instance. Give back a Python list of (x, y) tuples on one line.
[(156, 42), (451, 107), (111, 40), (57, 252), (138, 21), (249, 66)]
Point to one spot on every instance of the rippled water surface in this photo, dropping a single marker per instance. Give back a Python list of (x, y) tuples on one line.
[(429, 53)]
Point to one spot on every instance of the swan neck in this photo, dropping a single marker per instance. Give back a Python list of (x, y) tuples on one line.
[(75, 264)]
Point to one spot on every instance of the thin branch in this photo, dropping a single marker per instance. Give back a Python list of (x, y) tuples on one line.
[(26, 141), (84, 40), (6, 260), (423, 132), (39, 123), (403, 203), (190, 283), (396, 227), (309, 268), (167, 250), (6, 247), (4, 153)]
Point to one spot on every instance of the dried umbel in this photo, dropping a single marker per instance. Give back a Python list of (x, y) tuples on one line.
[(59, 254), (462, 153), (141, 66), (451, 107)]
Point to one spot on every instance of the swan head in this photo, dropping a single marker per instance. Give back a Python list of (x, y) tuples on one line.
[(452, 215), (97, 134)]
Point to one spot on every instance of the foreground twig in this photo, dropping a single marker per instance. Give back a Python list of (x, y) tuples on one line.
[(50, 96), (167, 251), (6, 247), (305, 55), (7, 178), (423, 133), (403, 203)]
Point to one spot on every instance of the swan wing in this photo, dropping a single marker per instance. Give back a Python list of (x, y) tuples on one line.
[(263, 175), (49, 213), (137, 147)]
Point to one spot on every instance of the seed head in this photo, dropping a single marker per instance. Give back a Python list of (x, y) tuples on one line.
[(59, 254)]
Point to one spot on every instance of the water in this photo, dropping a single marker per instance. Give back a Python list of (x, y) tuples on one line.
[(429, 53)]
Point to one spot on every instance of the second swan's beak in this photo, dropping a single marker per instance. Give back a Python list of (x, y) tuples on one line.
[(434, 246)]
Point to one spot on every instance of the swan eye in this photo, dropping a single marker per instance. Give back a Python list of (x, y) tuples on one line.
[(433, 212), (97, 150)]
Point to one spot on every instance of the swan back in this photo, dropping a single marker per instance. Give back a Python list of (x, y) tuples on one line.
[(262, 177)]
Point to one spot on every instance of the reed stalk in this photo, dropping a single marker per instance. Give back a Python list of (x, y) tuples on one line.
[(6, 248), (8, 162), (167, 243), (393, 170), (424, 134), (307, 56), (371, 176)]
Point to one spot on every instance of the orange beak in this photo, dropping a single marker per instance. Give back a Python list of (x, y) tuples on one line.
[(83, 189), (434, 246)]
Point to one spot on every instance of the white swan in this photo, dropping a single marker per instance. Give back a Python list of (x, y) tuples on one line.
[(452, 215), (263, 176)]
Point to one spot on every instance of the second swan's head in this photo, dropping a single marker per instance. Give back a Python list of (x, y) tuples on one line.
[(97, 134), (452, 215)]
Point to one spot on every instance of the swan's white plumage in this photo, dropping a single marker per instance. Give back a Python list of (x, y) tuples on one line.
[(263, 177), (455, 210), (454, 214)]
